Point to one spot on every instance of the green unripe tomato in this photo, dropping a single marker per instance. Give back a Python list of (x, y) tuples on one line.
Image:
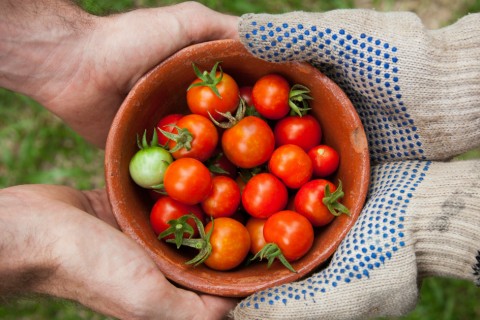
[(147, 167)]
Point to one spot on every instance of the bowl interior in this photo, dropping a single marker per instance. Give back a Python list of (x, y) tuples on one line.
[(162, 91)]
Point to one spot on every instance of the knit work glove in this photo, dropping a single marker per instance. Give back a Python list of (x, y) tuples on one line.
[(418, 94)]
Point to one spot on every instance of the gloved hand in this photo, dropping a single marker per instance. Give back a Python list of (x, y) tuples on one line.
[(418, 94)]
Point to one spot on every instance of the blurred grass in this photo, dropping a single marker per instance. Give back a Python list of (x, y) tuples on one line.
[(38, 148)]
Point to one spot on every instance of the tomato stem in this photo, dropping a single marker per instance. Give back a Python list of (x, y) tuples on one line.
[(271, 251), (183, 138), (143, 143), (231, 120), (209, 80), (203, 243), (298, 100), (178, 227), (331, 200)]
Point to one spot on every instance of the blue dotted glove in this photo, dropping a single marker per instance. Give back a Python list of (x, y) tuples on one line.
[(417, 92), (418, 222)]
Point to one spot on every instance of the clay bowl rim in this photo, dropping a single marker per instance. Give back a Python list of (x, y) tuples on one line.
[(234, 283)]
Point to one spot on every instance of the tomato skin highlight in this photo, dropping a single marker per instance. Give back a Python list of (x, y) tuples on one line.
[(255, 229), (325, 160), (292, 165), (304, 131), (263, 195), (205, 137), (270, 96), (188, 180), (249, 143), (202, 100), (291, 231), (166, 208), (308, 202), (224, 199), (230, 242)]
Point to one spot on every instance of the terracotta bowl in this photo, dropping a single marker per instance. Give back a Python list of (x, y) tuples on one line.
[(162, 91)]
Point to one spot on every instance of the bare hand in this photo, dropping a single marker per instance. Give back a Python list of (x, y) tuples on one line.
[(56, 242)]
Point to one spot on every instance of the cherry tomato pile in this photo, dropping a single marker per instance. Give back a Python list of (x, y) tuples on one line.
[(244, 173)]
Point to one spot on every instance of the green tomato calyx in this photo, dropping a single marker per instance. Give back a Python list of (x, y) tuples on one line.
[(202, 244), (178, 227), (231, 120), (298, 100), (331, 200), (183, 138), (144, 144), (271, 251), (210, 80)]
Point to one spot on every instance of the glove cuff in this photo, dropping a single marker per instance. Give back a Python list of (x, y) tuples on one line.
[(446, 221)]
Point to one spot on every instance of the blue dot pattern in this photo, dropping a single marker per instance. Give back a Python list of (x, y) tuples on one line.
[(377, 237), (366, 68)]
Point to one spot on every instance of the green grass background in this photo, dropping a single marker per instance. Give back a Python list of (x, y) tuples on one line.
[(38, 148)]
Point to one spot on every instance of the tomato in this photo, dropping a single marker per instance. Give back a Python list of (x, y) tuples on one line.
[(188, 180), (219, 165), (167, 209), (196, 137), (249, 143), (224, 199), (255, 229), (292, 165), (309, 202), (291, 232), (148, 165), (304, 131), (270, 96), (230, 242), (325, 160), (212, 92), (246, 95), (167, 123), (264, 194)]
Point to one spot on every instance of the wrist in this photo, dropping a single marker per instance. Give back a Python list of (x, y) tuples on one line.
[(25, 250), (35, 40), (447, 221)]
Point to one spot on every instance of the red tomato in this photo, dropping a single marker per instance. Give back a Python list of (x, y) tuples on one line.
[(255, 229), (304, 132), (166, 209), (291, 232), (224, 199), (187, 180), (325, 160), (292, 165), (246, 95), (270, 96), (219, 165), (202, 99), (308, 202), (230, 243), (264, 194), (204, 136), (167, 123), (249, 143)]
